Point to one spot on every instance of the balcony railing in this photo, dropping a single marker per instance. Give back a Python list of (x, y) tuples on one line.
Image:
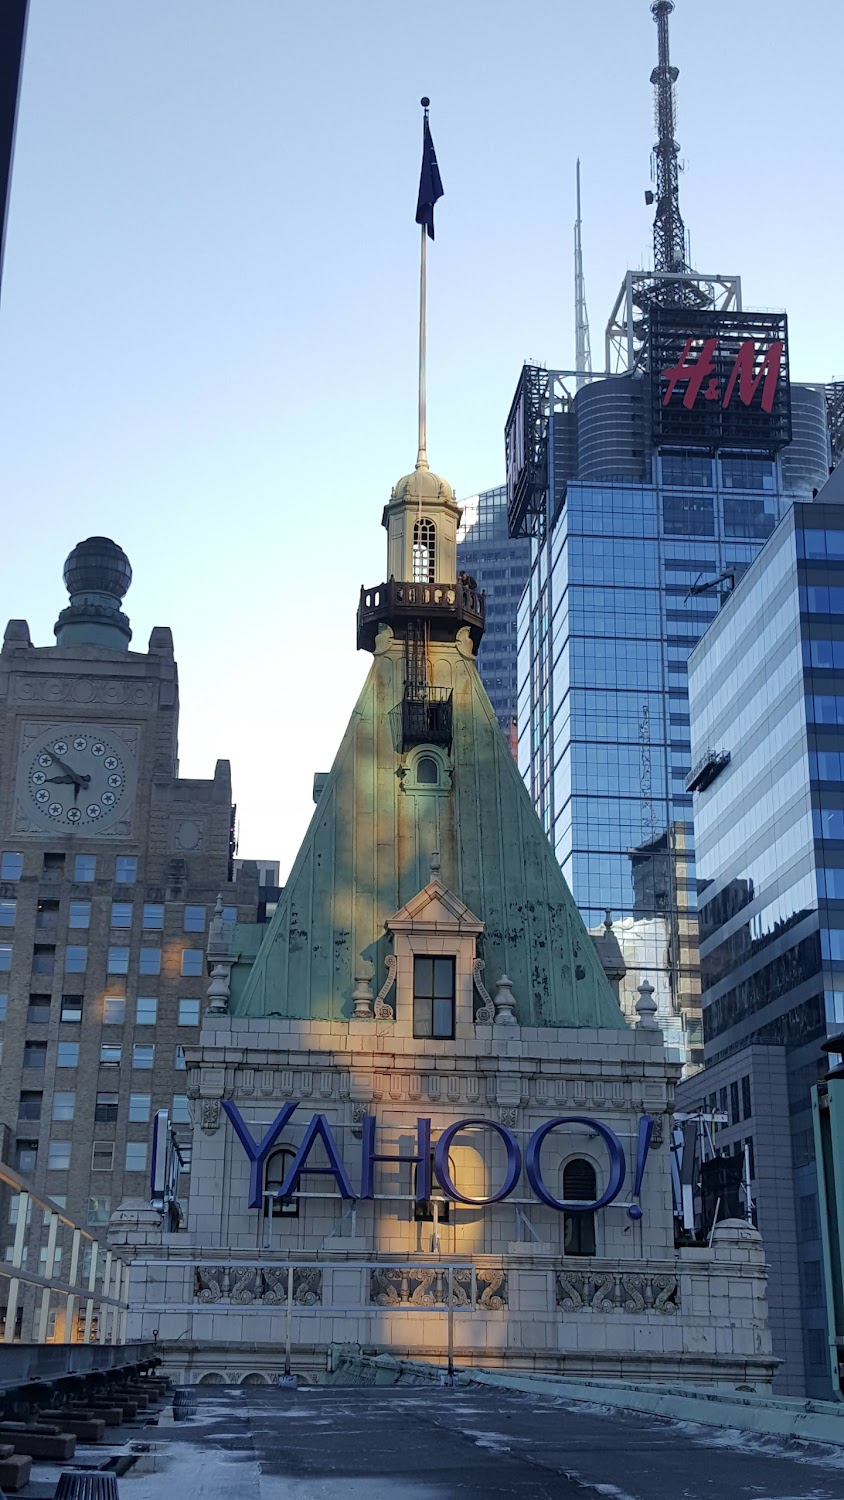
[(88, 1305), (445, 606), (426, 717)]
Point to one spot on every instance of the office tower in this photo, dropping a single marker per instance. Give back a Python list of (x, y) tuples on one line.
[(501, 568), (13, 16), (646, 490), (111, 864), (767, 724)]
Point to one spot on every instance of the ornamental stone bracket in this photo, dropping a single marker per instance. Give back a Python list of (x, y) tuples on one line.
[(494, 1010), (617, 1292), (367, 1007)]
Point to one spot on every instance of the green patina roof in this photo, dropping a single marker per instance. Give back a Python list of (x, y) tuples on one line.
[(367, 852)]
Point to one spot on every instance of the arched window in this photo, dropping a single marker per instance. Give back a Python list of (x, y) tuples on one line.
[(579, 1185), (427, 771), (424, 550), (278, 1165)]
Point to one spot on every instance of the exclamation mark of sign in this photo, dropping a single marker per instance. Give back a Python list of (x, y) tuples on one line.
[(643, 1146)]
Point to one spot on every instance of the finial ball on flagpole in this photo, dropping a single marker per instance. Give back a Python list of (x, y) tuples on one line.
[(424, 101)]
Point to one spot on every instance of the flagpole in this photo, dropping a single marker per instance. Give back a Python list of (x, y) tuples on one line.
[(422, 455)]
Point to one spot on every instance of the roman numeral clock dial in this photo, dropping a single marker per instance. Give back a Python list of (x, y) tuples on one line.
[(75, 778)]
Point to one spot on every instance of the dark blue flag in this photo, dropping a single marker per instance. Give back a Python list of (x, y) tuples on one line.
[(430, 182)]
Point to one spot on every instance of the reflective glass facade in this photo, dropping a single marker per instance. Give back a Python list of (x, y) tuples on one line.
[(766, 687), (501, 568), (613, 608)]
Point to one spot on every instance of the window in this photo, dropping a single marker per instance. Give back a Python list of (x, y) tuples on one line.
[(142, 1055), (229, 914), (53, 867), (114, 1010), (47, 916), (745, 1097), (75, 960), (121, 914), (71, 1008), (194, 919), (38, 1011), (139, 1107), (193, 961), (5, 957), (136, 1156), (79, 914), (105, 1107), (126, 869), (8, 910), (180, 1063), (64, 1105), (734, 1104), (85, 868), (751, 1158), (58, 1156), (34, 1054), (43, 958), (99, 1210), (150, 961), (427, 773), (29, 1105), (102, 1156), (278, 1165), (433, 997), (11, 866), (26, 1155), (188, 1012), (146, 1010), (579, 1186), (153, 915), (109, 1056), (424, 550), (118, 961), (4, 1001), (67, 1055), (180, 1114)]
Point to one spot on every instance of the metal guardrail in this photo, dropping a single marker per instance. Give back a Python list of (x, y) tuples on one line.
[(90, 1306)]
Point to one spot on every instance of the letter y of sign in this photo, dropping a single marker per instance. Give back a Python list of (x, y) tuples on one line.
[(257, 1151)]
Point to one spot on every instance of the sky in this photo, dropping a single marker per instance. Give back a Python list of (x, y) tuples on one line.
[(209, 301)]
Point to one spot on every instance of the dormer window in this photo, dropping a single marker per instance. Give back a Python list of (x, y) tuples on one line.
[(427, 771), (433, 997), (424, 550)]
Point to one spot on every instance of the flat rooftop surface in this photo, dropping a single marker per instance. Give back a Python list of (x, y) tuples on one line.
[(430, 1443)]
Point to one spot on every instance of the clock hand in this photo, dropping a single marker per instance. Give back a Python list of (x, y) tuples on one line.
[(69, 771), (62, 780)]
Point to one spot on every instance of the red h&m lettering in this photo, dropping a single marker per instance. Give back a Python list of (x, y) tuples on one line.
[(748, 378), (692, 371)]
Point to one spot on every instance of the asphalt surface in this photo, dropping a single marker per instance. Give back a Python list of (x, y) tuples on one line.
[(428, 1443)]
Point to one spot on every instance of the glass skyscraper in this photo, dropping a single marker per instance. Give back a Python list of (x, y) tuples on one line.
[(501, 568), (633, 550), (766, 688)]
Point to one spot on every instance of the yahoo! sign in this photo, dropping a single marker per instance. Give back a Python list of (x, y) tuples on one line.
[(318, 1129)]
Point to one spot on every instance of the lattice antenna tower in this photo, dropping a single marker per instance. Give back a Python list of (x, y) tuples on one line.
[(670, 247), (583, 349)]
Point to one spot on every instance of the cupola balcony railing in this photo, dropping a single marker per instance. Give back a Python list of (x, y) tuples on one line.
[(446, 607), (426, 717)]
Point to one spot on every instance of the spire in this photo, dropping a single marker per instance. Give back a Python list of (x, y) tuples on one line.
[(670, 253), (583, 351)]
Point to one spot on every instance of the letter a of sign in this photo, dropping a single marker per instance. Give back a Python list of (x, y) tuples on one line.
[(693, 371), (748, 377)]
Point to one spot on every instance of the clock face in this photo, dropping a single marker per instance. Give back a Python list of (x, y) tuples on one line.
[(77, 778)]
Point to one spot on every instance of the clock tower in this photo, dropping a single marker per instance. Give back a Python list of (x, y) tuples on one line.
[(111, 864)]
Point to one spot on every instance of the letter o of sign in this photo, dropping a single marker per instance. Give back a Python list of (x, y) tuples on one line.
[(514, 1162), (617, 1167)]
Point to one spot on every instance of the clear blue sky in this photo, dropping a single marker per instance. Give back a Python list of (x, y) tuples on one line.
[(208, 319)]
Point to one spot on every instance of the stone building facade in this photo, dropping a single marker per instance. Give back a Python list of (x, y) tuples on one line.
[(110, 868), (421, 1120)]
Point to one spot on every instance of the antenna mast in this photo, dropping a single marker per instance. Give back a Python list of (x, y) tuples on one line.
[(670, 251), (583, 351)]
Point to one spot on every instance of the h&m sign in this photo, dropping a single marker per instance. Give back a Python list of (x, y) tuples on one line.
[(319, 1130), (719, 380)]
